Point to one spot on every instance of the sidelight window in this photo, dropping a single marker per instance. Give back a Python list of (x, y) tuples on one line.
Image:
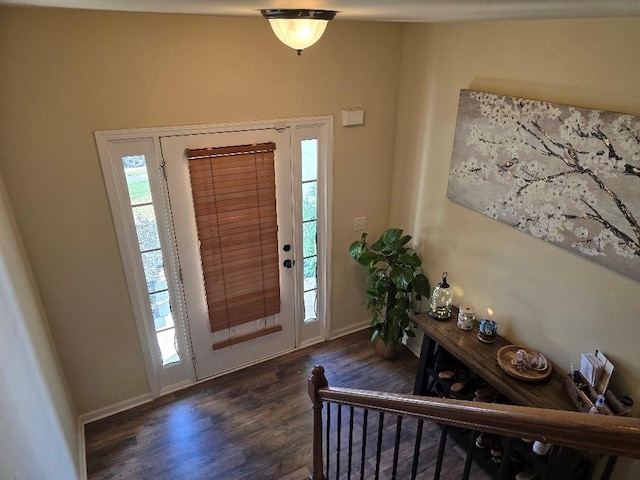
[(146, 226), (312, 193), (133, 174), (310, 227)]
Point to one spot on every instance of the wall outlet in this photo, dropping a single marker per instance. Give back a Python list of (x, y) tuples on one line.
[(359, 223)]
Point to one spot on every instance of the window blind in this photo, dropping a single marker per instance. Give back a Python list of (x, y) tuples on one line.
[(234, 199)]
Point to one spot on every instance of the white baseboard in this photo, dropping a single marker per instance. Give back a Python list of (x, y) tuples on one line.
[(97, 415), (82, 452), (115, 408), (414, 344), (349, 329), (311, 342), (176, 386)]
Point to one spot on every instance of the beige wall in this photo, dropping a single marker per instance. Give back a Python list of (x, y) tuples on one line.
[(38, 422), (543, 296), (66, 74)]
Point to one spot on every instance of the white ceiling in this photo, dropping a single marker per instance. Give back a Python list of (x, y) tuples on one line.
[(380, 10)]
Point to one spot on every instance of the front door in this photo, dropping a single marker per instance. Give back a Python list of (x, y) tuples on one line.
[(218, 350)]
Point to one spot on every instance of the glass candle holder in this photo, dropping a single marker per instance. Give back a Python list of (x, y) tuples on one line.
[(440, 304)]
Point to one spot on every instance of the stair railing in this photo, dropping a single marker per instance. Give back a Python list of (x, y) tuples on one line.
[(591, 435)]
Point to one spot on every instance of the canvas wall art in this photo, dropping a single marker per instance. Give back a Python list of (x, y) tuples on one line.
[(567, 175)]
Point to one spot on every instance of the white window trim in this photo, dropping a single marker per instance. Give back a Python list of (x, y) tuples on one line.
[(127, 239), (323, 133)]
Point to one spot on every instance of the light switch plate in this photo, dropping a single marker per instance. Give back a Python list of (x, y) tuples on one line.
[(359, 223)]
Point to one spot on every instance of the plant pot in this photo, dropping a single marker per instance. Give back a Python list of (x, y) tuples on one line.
[(387, 351)]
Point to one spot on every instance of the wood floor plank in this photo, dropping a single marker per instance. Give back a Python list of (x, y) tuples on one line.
[(255, 423)]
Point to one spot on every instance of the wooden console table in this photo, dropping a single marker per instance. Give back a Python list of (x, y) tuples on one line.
[(482, 359)]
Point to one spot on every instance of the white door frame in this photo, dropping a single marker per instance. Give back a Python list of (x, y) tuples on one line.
[(158, 384)]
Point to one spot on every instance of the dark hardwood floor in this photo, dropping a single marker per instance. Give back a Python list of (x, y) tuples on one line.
[(251, 424)]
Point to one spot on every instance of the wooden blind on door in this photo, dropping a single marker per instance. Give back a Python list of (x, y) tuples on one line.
[(234, 199)]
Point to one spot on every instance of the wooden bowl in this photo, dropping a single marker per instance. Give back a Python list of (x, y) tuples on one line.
[(507, 353)]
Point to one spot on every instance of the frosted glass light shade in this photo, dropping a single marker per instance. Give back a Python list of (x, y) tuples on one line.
[(299, 33), (298, 29)]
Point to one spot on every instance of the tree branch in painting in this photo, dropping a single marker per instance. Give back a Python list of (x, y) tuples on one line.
[(563, 174)]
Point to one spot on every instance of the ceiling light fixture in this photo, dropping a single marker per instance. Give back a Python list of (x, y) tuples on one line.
[(298, 29)]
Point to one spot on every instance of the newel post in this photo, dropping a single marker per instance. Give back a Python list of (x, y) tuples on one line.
[(316, 381)]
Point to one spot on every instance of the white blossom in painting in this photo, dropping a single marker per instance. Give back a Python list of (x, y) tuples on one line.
[(563, 174)]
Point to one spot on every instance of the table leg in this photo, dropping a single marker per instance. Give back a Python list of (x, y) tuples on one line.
[(424, 382)]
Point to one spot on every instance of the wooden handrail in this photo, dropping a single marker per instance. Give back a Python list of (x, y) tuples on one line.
[(606, 434)]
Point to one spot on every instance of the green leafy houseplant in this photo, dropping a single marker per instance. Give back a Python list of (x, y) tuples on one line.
[(393, 278)]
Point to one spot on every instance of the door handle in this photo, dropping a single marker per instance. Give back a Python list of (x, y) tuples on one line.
[(288, 263)]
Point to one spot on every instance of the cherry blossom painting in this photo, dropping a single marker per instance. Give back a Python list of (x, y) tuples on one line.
[(567, 175)]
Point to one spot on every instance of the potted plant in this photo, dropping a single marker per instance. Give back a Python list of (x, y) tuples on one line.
[(393, 278)]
